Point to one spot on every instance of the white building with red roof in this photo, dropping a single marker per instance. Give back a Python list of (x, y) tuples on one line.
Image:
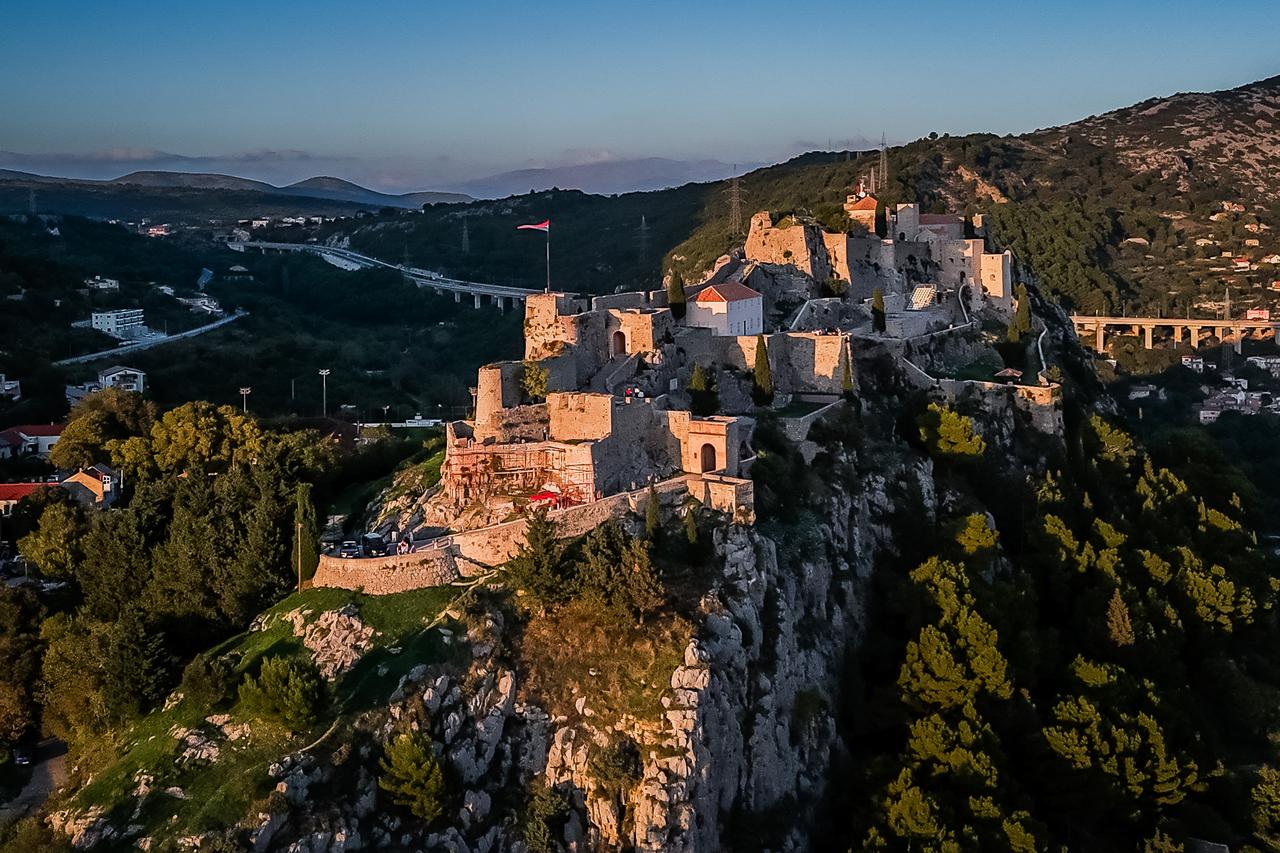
[(32, 438), (728, 308), (11, 493)]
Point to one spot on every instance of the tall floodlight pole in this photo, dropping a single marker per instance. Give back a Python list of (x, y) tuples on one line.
[(324, 392), (385, 409), (245, 391)]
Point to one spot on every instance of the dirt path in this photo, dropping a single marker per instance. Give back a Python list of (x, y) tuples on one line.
[(48, 774)]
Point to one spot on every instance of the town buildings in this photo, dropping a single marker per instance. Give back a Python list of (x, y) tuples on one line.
[(116, 376), (36, 439)]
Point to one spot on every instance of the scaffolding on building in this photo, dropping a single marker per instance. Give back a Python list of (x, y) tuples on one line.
[(480, 473)]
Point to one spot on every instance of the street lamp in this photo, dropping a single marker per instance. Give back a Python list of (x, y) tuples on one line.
[(324, 392), (245, 391), (385, 409)]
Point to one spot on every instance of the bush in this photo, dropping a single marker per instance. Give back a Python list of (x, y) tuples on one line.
[(285, 691), (616, 767), (412, 775), (207, 680), (544, 815)]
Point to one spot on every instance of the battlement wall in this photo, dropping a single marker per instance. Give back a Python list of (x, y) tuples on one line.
[(388, 575)]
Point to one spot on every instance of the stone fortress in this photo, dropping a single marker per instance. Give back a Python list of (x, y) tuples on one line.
[(599, 409)]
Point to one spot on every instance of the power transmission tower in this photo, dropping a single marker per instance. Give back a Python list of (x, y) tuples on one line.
[(884, 160), (466, 239), (642, 238), (735, 204)]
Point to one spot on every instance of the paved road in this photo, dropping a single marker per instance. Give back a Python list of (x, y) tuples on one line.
[(148, 344), (48, 774)]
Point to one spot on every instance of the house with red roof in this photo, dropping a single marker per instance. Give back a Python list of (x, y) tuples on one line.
[(11, 493), (32, 439), (727, 308)]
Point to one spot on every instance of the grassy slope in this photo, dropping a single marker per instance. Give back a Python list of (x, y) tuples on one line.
[(219, 794)]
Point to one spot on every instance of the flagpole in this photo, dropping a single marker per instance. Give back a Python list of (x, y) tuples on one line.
[(548, 257)]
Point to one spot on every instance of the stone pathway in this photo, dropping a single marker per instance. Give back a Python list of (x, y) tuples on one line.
[(48, 774)]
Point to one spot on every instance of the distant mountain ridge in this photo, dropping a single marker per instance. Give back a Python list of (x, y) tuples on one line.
[(323, 187), (608, 177)]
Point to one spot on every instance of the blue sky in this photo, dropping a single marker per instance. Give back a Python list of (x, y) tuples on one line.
[(406, 95)]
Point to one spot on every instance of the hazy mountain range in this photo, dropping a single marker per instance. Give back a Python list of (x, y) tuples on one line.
[(327, 188)]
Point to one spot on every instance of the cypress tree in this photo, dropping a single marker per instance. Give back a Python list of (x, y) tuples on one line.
[(877, 310), (675, 295), (762, 385), (305, 534), (702, 393), (652, 515), (846, 375), (1021, 323)]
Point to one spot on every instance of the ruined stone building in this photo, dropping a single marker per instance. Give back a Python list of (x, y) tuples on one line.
[(922, 250)]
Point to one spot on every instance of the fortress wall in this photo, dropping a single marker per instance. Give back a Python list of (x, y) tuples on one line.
[(515, 423), (799, 245), (387, 575), (580, 416), (650, 299), (644, 331)]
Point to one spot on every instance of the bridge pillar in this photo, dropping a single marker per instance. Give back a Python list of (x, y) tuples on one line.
[(1146, 336), (501, 302), (1099, 337), (1195, 336), (1135, 329), (457, 296), (1239, 336), (478, 301), (1177, 333)]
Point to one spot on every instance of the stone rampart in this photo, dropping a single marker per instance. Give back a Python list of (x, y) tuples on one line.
[(387, 575)]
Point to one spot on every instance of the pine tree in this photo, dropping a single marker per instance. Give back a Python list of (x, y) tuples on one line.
[(877, 310), (411, 774), (675, 295), (762, 380), (538, 568), (1119, 628), (305, 554)]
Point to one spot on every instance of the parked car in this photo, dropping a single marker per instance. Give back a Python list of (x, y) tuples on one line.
[(349, 549), (21, 756)]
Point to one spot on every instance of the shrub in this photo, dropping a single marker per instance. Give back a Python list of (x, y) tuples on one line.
[(615, 767), (207, 680), (534, 381), (412, 775), (544, 813), (285, 691)]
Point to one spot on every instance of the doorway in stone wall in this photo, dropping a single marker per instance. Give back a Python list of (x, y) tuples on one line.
[(619, 343), (708, 458)]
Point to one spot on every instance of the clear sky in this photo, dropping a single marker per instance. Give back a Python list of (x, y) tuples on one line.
[(409, 95)]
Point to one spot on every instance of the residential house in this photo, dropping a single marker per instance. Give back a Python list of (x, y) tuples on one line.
[(95, 486), (10, 388), (33, 439), (100, 283), (11, 493), (124, 378), (1193, 362)]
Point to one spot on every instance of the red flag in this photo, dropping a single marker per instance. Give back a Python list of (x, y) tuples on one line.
[(544, 225)]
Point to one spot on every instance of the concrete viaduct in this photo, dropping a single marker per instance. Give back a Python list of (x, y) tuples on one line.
[(499, 295), (1224, 330)]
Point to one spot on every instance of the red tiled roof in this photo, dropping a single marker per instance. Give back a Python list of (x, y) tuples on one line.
[(41, 430), (18, 491), (865, 203), (728, 291)]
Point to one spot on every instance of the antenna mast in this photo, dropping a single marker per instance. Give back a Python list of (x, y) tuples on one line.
[(884, 159)]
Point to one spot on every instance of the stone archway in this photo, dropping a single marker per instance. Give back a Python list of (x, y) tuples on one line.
[(619, 343), (707, 458)]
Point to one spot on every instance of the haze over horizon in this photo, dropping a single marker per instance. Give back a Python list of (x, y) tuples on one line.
[(404, 96)]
